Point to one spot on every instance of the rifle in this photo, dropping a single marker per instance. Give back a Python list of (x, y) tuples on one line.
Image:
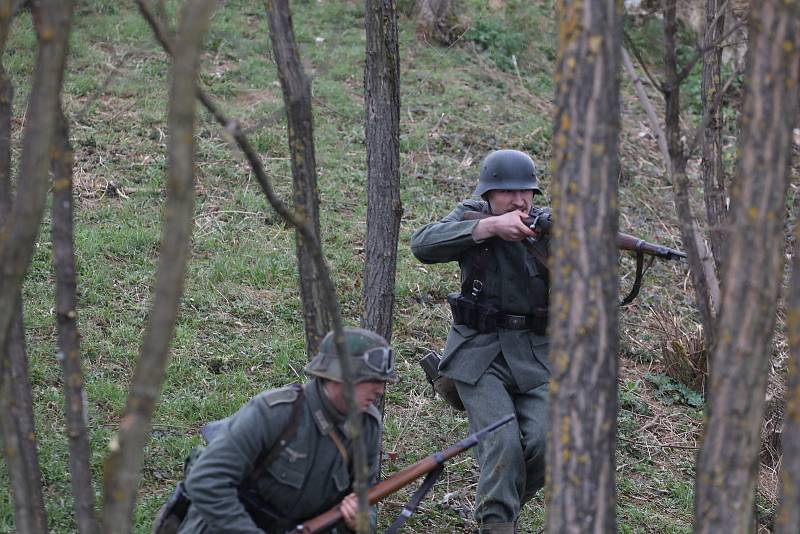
[(432, 465), (541, 221)]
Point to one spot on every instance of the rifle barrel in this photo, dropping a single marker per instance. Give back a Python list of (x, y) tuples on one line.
[(624, 241), (401, 479)]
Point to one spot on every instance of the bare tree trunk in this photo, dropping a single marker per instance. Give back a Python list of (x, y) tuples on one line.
[(122, 470), (728, 462), (585, 290), (713, 169), (436, 20), (6, 108), (680, 181), (19, 221), (16, 419), (788, 517), (382, 127), (19, 434), (297, 100), (15, 375), (75, 414), (20, 230)]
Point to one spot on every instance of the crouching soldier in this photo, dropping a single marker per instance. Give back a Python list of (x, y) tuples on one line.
[(286, 455), (497, 349)]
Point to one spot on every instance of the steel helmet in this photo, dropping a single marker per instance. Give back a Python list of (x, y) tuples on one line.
[(371, 357), (507, 169)]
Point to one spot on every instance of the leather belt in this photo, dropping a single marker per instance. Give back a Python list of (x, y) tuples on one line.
[(514, 322)]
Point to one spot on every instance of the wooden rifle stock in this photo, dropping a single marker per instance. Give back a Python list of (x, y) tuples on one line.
[(629, 242), (400, 479), (624, 241)]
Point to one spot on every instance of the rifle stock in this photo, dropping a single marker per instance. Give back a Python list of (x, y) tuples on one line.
[(402, 478), (629, 242)]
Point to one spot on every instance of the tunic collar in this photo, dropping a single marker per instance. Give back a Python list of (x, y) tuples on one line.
[(324, 413)]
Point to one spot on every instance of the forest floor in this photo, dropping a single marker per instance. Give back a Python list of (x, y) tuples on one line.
[(240, 328)]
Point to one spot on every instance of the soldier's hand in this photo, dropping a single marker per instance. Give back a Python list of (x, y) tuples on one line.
[(508, 227), (349, 507)]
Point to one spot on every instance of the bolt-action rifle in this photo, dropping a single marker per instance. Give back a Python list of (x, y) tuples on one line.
[(541, 222), (433, 466)]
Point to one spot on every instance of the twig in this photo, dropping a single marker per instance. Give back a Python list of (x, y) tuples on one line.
[(687, 69), (648, 108), (122, 469), (638, 56), (698, 132), (659, 445)]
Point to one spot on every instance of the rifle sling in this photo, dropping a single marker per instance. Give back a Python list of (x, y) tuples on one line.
[(412, 504), (637, 283)]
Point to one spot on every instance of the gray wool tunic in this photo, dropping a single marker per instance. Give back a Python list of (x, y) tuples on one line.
[(308, 477), (514, 283)]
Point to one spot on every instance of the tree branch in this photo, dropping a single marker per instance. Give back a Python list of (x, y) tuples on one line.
[(19, 232), (637, 54), (122, 470), (697, 135), (726, 477), (19, 226), (788, 513), (69, 353), (382, 136), (297, 101), (687, 69), (299, 223)]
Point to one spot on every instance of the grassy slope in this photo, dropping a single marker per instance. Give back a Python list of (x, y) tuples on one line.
[(240, 328)]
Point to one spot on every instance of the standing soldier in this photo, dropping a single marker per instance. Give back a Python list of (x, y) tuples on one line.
[(286, 455), (497, 349)]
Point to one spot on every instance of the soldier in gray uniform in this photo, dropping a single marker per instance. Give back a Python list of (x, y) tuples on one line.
[(313, 470), (497, 349)]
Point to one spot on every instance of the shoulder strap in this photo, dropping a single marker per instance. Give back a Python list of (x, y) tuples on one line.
[(337, 440), (266, 458), (473, 284)]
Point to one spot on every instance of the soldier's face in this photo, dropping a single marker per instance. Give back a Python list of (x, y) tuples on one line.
[(506, 200), (366, 393)]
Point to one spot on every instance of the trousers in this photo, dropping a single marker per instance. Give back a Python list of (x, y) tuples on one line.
[(512, 459)]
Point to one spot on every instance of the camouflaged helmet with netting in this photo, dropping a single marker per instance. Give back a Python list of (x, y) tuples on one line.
[(371, 358), (507, 169)]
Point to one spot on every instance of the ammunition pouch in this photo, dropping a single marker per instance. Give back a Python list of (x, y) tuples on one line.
[(486, 318), (468, 311), (444, 386), (263, 516)]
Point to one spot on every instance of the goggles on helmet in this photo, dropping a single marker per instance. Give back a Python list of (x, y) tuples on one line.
[(379, 359)]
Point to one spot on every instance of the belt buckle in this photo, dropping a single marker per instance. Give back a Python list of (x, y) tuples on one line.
[(516, 322)]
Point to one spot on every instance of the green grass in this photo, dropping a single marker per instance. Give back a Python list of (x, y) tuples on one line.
[(240, 327)]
